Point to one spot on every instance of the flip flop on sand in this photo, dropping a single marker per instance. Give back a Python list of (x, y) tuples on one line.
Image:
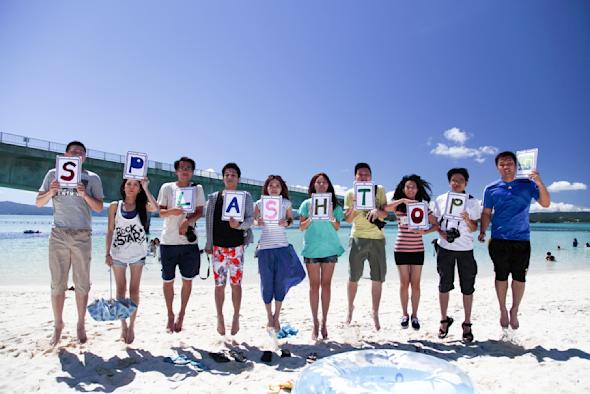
[(266, 356), (285, 353), (219, 357), (311, 357), (238, 355)]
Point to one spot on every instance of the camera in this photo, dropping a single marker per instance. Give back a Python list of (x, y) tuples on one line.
[(452, 234), (379, 223), (190, 234)]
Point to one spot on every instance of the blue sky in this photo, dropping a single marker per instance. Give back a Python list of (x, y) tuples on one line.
[(297, 87)]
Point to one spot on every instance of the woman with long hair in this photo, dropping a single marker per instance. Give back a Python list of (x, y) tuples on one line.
[(409, 247), (126, 242), (320, 250)]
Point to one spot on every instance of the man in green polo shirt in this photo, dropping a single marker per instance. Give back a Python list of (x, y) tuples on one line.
[(367, 242)]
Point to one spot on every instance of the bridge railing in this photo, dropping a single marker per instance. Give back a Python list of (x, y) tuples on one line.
[(15, 139)]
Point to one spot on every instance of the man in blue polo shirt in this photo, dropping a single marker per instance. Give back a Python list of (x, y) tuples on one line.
[(510, 248)]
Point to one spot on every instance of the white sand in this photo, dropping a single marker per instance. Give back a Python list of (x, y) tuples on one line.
[(550, 353)]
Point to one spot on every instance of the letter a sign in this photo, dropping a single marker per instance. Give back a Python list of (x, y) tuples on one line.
[(364, 196), (271, 209), (68, 171), (233, 205), (321, 206), (136, 166), (418, 216)]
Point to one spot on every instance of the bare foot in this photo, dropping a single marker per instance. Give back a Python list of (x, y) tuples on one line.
[(123, 330), (514, 319), (235, 325), (324, 331), (277, 324), (170, 324), (376, 321), (220, 325), (57, 329), (504, 318), (178, 324), (130, 335), (349, 316), (81, 331), (314, 332)]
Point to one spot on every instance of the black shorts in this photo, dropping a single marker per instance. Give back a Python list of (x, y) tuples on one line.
[(510, 257), (186, 257), (409, 258), (466, 265)]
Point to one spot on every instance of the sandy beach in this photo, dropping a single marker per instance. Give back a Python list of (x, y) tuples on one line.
[(548, 354)]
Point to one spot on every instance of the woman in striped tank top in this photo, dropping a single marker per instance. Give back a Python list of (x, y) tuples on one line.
[(278, 263), (409, 248)]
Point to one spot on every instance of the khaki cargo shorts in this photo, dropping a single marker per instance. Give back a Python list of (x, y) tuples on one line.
[(70, 248)]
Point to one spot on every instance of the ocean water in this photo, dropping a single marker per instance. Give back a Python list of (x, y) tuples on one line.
[(23, 257)]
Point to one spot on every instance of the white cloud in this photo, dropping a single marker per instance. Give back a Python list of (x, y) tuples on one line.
[(456, 135), (558, 207), (209, 170), (462, 152), (429, 141), (561, 186), (459, 150)]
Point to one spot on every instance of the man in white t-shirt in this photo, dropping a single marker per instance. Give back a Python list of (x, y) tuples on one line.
[(178, 244), (455, 244)]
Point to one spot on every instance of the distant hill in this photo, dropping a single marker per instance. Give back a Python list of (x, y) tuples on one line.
[(560, 217), (14, 208)]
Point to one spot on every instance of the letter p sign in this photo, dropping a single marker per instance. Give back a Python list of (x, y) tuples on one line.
[(135, 166)]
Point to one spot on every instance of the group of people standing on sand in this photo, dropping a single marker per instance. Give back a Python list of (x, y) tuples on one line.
[(506, 205)]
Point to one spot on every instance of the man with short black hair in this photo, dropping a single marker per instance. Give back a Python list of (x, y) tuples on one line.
[(70, 242), (226, 241), (179, 244), (506, 205), (455, 245), (367, 242)]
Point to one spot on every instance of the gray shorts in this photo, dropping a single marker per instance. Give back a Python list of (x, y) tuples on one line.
[(373, 250)]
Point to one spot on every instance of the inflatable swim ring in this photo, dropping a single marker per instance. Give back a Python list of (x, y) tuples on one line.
[(382, 371)]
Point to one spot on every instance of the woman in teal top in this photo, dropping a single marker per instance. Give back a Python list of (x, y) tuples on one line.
[(321, 250)]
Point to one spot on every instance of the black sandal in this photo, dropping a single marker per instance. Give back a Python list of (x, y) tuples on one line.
[(443, 333), (467, 336)]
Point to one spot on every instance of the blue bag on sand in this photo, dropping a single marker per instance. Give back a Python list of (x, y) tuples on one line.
[(287, 331), (111, 309)]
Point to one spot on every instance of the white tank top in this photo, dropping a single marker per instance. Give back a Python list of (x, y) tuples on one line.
[(129, 239)]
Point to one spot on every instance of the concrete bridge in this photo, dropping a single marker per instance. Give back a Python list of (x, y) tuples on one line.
[(25, 161)]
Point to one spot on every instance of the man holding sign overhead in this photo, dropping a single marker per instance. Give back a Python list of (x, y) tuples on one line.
[(181, 205), (74, 193), (506, 204), (458, 213), (363, 207), (230, 214)]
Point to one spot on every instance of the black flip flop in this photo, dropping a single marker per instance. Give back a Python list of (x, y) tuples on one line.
[(219, 357), (443, 333), (311, 357), (285, 353), (237, 355), (467, 336), (266, 356)]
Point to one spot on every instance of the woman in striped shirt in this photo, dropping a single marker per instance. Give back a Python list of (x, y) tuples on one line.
[(409, 248), (278, 264)]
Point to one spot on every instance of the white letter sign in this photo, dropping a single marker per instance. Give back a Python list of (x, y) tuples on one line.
[(136, 166), (68, 171), (184, 198), (271, 209), (321, 206), (526, 162), (364, 196), (418, 216), (233, 205), (455, 205)]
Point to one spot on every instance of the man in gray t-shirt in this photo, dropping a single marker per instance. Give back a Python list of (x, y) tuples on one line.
[(70, 243)]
